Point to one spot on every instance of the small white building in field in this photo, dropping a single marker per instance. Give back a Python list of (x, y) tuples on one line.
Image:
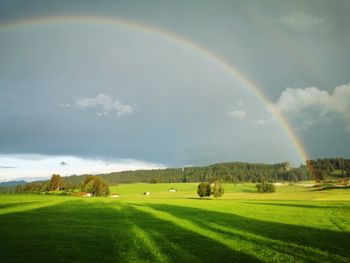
[(172, 190), (87, 195), (114, 196), (147, 193)]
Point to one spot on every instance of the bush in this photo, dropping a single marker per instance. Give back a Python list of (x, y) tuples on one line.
[(265, 187), (217, 189), (95, 185), (204, 189)]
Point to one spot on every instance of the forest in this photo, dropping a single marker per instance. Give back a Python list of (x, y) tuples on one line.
[(328, 169), (231, 172)]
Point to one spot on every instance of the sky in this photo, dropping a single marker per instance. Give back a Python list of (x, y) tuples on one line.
[(101, 86)]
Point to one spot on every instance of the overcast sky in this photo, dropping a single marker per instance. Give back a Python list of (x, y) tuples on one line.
[(87, 96)]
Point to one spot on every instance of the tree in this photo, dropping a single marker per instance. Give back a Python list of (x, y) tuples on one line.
[(101, 187), (95, 185), (69, 187), (56, 182), (19, 188), (204, 189), (217, 189), (154, 181), (44, 187), (90, 187), (265, 187), (86, 181)]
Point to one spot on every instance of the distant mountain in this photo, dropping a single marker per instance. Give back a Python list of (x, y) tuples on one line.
[(12, 183)]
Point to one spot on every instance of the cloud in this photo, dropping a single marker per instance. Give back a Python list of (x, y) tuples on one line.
[(237, 114), (306, 124), (35, 169), (312, 101), (63, 163), (7, 167), (65, 105), (108, 104), (260, 122), (305, 22)]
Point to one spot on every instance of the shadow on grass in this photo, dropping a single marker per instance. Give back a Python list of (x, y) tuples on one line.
[(307, 243), (329, 188), (99, 231), (11, 205)]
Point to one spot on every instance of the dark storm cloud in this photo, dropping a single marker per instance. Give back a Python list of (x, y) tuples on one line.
[(185, 109)]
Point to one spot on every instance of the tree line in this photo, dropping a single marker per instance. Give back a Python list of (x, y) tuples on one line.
[(233, 172), (328, 169), (95, 185), (57, 183)]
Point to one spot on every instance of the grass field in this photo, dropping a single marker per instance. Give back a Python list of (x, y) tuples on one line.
[(295, 224)]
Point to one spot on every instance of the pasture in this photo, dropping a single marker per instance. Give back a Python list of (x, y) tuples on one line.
[(295, 224)]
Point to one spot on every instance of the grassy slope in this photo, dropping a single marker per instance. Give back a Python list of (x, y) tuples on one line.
[(294, 224)]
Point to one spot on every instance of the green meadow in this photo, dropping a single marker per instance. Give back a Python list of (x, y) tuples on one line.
[(295, 224)]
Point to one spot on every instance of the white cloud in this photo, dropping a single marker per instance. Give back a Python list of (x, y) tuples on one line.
[(260, 122), (35, 167), (65, 105), (305, 22), (108, 104), (307, 124), (237, 114), (312, 100)]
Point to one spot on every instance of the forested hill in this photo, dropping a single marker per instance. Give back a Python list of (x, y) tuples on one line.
[(320, 169), (323, 169), (228, 172)]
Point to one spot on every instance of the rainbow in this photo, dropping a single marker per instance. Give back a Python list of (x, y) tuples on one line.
[(179, 40), (291, 46)]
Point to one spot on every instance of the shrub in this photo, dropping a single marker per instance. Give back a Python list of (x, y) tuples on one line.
[(95, 185), (217, 189), (265, 187), (204, 189)]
